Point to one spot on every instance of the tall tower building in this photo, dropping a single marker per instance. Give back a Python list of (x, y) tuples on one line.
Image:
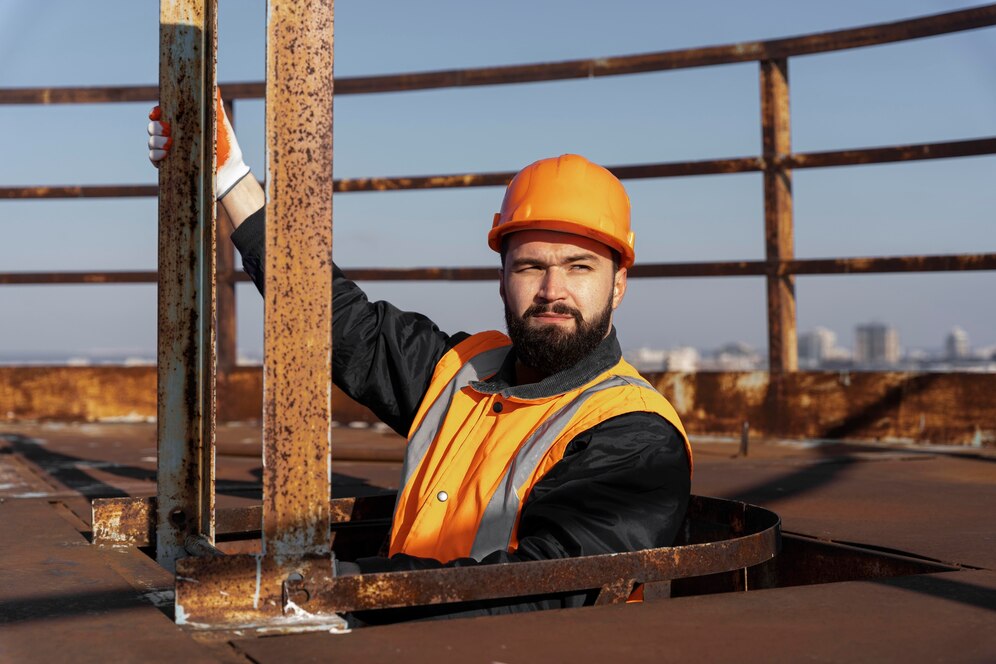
[(956, 344), (876, 343)]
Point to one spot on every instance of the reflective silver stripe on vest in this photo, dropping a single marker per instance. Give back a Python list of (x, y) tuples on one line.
[(478, 367), (498, 521)]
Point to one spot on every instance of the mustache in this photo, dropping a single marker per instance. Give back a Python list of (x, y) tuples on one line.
[(555, 308)]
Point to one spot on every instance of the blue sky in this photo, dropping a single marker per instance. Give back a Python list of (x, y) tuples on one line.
[(936, 89)]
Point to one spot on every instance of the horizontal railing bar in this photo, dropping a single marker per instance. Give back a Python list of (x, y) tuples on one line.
[(80, 191), (913, 152), (877, 155), (858, 265), (823, 42), (493, 179), (55, 278), (103, 94), (502, 178), (887, 264)]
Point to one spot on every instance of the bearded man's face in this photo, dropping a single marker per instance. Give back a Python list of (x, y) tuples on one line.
[(559, 291)]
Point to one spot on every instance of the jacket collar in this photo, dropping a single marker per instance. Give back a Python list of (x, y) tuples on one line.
[(605, 356)]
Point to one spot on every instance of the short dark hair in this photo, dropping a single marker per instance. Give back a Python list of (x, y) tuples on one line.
[(616, 259)]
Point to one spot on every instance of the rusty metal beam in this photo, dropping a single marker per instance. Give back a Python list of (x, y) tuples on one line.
[(38, 278), (243, 589), (809, 266), (778, 232), (832, 158), (297, 364), (681, 59), (446, 181), (827, 266), (104, 94), (502, 178), (889, 154), (80, 191), (882, 33), (187, 44), (890, 264), (132, 521)]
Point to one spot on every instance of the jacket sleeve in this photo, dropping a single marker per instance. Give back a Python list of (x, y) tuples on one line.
[(382, 357), (623, 485)]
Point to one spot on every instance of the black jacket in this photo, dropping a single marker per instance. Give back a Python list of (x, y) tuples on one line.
[(622, 485)]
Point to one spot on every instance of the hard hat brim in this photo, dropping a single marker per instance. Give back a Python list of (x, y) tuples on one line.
[(626, 252)]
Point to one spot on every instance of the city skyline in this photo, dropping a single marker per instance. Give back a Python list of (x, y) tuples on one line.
[(876, 347), (817, 347), (892, 94)]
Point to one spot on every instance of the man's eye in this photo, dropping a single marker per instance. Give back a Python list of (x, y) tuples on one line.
[(581, 268)]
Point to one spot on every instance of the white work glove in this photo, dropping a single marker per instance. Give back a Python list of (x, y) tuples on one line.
[(230, 166)]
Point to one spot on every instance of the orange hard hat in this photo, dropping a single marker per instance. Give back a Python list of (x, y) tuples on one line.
[(568, 194)]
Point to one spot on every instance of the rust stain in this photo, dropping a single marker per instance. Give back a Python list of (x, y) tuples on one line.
[(124, 521), (941, 408), (132, 521), (922, 407), (245, 590), (297, 368), (76, 394), (186, 296)]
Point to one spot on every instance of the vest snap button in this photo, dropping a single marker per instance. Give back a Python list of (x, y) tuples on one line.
[(442, 496), (497, 407)]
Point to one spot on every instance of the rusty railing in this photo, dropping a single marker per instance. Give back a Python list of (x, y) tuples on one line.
[(776, 162), (292, 580)]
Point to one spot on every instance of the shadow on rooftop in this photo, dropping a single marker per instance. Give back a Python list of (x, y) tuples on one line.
[(71, 471)]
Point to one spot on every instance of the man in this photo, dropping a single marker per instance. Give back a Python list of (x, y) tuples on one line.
[(537, 445)]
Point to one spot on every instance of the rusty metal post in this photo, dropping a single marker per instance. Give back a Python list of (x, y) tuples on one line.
[(744, 439), (225, 287), (778, 234), (297, 364), (186, 359)]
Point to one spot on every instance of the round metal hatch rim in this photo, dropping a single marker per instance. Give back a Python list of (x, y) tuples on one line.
[(759, 542)]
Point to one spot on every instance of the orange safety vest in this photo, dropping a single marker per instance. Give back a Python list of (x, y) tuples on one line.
[(473, 457)]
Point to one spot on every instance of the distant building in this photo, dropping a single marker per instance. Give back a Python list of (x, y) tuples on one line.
[(818, 349), (681, 359), (876, 344), (956, 346), (735, 356), (647, 359), (816, 346)]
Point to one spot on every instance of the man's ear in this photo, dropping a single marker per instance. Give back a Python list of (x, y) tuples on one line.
[(501, 283), (618, 287)]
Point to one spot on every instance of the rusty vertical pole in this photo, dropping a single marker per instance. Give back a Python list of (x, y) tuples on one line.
[(186, 304), (225, 288), (297, 363), (778, 233)]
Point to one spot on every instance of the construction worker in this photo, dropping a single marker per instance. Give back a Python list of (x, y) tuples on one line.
[(540, 444)]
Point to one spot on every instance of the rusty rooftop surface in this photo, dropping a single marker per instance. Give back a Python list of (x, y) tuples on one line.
[(59, 594), (886, 550)]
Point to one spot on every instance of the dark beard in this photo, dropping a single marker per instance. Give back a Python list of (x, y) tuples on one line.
[(550, 350)]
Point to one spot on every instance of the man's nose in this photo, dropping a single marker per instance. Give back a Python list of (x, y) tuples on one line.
[(553, 286)]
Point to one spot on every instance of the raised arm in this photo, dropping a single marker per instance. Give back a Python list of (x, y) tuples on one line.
[(383, 357)]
